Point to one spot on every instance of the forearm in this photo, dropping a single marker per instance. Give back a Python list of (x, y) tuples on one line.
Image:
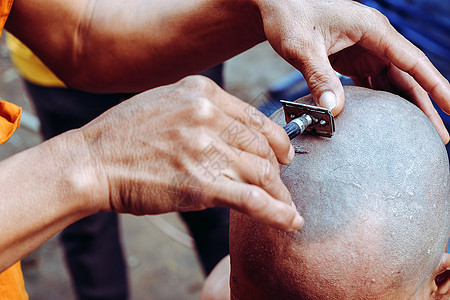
[(42, 190), (109, 46)]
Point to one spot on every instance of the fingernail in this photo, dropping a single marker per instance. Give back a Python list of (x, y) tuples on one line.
[(328, 100), (291, 153), (297, 223)]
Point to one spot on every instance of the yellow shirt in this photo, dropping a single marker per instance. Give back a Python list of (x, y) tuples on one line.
[(29, 65), (12, 286)]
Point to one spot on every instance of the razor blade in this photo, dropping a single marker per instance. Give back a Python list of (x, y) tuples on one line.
[(307, 118)]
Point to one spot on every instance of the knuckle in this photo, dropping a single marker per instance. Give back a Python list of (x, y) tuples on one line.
[(202, 110), (419, 61), (253, 201), (256, 118), (421, 56), (266, 172), (264, 149), (289, 48), (197, 83), (376, 21), (370, 20), (191, 141), (378, 16), (202, 140), (317, 81), (368, 15)]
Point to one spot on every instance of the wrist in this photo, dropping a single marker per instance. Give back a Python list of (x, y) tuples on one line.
[(43, 190), (79, 180)]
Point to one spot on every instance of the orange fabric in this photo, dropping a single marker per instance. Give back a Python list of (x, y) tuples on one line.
[(5, 8), (12, 286), (9, 113), (9, 119)]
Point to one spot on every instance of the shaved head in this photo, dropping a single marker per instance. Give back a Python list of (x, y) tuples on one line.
[(375, 202)]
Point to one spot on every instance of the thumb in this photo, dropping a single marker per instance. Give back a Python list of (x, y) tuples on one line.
[(324, 85)]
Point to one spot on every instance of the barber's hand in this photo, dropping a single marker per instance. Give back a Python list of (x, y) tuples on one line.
[(360, 43), (190, 146)]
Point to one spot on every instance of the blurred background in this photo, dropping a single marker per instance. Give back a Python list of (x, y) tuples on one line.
[(159, 252)]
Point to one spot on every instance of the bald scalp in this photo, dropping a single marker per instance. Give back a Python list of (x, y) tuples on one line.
[(375, 202)]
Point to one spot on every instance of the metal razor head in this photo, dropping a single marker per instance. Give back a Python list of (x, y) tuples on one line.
[(323, 120)]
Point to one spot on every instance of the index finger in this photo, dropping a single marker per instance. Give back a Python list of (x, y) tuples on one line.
[(257, 203)]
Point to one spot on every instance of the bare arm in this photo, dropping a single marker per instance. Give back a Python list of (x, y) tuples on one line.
[(114, 46), (130, 46), (43, 190)]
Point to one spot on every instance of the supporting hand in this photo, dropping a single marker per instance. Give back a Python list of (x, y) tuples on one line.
[(357, 41)]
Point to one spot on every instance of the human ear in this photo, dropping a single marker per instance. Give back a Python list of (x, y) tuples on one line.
[(442, 279)]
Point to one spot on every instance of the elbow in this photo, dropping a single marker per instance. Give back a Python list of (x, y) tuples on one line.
[(86, 75)]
